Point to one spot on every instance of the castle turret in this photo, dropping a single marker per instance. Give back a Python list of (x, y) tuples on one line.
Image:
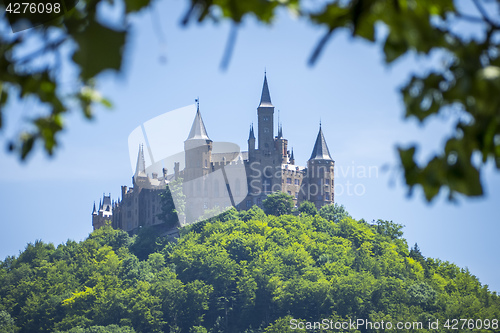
[(251, 141), (104, 214), (265, 113), (292, 158), (198, 149), (281, 146), (320, 168)]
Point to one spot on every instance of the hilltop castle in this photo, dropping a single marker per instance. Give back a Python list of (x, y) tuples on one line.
[(211, 178)]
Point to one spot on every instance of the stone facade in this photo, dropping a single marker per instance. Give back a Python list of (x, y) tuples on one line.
[(221, 179)]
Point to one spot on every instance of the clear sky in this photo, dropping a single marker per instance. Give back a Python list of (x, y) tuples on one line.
[(349, 89)]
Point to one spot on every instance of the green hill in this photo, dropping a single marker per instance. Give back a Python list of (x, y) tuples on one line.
[(241, 272)]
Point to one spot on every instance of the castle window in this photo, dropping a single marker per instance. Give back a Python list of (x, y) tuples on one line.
[(249, 203), (266, 130), (206, 163), (289, 193), (289, 180), (332, 182), (266, 118), (327, 196), (296, 195)]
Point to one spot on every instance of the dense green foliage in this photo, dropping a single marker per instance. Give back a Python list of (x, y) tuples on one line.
[(308, 208), (170, 210), (278, 203), (247, 273)]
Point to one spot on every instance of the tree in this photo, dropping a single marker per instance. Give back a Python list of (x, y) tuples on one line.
[(234, 276), (170, 209), (278, 203), (422, 294), (6, 323), (308, 208), (147, 241), (100, 329), (390, 229), (466, 83), (334, 213)]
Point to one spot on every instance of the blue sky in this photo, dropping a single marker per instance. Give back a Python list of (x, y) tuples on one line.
[(349, 89)]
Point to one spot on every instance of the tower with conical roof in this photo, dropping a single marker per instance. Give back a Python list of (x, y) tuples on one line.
[(265, 114), (251, 142), (197, 149), (320, 173)]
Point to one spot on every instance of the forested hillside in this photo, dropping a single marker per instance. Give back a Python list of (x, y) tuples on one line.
[(241, 272)]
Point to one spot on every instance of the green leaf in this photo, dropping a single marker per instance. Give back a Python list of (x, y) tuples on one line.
[(27, 144), (135, 5), (99, 48)]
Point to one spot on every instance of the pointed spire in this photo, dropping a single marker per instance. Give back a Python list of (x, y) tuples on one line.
[(198, 130), (251, 135), (265, 98), (320, 150), (94, 211), (292, 157), (140, 169), (100, 204)]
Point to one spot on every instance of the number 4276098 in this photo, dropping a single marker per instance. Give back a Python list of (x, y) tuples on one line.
[(33, 8), (471, 324)]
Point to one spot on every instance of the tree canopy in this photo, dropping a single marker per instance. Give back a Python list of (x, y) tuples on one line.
[(465, 85), (249, 273), (278, 203)]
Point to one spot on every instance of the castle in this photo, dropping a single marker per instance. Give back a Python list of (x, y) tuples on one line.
[(214, 177)]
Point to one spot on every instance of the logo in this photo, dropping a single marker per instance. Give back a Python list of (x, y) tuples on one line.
[(212, 174)]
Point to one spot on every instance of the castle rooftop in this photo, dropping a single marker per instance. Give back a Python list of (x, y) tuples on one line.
[(320, 150)]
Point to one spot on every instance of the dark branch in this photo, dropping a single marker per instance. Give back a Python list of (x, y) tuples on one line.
[(50, 46), (231, 41), (483, 13), (319, 47), (469, 18)]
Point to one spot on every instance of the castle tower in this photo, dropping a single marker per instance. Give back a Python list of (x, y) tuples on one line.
[(198, 150), (265, 114), (282, 146), (103, 214), (251, 142), (320, 168)]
